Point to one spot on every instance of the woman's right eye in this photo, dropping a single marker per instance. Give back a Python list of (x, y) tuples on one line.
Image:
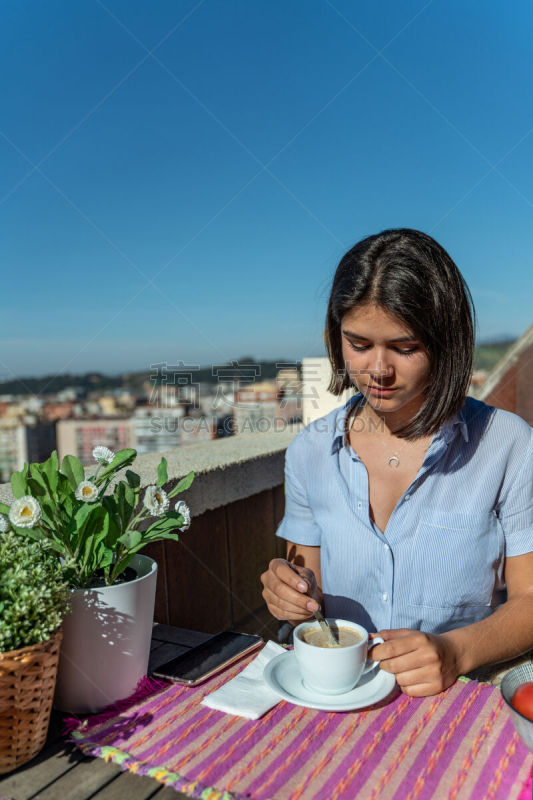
[(359, 349)]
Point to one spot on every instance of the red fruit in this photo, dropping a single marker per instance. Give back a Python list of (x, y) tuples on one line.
[(522, 700)]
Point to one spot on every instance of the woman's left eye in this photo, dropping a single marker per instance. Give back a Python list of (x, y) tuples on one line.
[(361, 349)]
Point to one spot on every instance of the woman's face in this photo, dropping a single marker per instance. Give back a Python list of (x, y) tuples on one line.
[(384, 359)]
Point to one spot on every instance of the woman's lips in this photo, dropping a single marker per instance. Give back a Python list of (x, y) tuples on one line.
[(381, 391)]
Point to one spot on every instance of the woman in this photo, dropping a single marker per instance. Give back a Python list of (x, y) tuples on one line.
[(409, 510)]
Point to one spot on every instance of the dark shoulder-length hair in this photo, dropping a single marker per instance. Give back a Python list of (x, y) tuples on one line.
[(411, 276)]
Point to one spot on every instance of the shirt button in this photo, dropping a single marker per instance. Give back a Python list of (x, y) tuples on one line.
[(407, 496), (384, 596), (359, 504), (386, 546)]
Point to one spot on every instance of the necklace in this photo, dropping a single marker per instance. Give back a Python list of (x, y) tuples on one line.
[(393, 460)]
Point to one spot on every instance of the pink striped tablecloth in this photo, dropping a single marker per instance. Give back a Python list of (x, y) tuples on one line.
[(458, 745)]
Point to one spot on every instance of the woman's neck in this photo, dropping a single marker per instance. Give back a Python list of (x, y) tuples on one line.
[(388, 422)]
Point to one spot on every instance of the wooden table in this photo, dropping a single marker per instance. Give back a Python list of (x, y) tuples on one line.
[(61, 772)]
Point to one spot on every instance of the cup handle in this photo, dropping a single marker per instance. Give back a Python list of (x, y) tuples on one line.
[(372, 664)]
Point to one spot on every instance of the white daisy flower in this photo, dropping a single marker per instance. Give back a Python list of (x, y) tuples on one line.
[(183, 509), (103, 455), (156, 500), (25, 512), (87, 491), (4, 523)]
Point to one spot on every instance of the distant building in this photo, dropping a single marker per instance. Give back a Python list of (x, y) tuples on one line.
[(194, 429), (4, 408), (12, 409), (13, 448), (79, 436), (317, 401), (69, 393), (32, 404), (220, 402), (108, 406), (256, 410), (156, 429), (60, 410), (40, 441), (510, 384)]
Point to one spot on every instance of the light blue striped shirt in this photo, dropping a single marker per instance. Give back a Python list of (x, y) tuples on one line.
[(439, 564)]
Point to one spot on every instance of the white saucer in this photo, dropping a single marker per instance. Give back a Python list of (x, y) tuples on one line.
[(283, 677)]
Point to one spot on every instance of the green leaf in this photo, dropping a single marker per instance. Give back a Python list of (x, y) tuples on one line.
[(4, 509), (102, 556), (115, 528), (88, 527), (37, 485), (19, 483), (159, 537), (121, 565), (130, 539), (50, 469), (72, 468), (133, 479), (34, 534), (173, 536), (129, 496), (39, 482), (170, 522), (183, 485), (105, 556), (124, 503), (49, 515), (122, 459), (162, 474), (99, 530)]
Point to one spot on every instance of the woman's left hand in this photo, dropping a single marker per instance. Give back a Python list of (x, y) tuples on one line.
[(423, 663)]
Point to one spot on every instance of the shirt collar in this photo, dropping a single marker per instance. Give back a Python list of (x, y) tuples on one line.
[(449, 428), (447, 432), (340, 423)]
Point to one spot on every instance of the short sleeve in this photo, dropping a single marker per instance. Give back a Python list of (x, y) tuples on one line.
[(515, 511), (298, 524)]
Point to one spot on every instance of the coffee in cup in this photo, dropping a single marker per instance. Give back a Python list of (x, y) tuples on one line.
[(343, 635), (331, 669)]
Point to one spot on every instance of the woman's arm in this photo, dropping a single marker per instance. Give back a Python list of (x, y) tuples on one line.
[(427, 663), (292, 586), (302, 555), (508, 632)]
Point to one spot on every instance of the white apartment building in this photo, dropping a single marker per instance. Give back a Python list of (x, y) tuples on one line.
[(13, 447), (317, 401), (257, 411), (157, 429)]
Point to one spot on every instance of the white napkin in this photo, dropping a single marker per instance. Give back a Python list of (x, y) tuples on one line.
[(247, 695)]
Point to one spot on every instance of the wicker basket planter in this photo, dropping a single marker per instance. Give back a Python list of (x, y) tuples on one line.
[(27, 683)]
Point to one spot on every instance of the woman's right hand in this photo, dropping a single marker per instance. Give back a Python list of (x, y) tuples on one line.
[(290, 592)]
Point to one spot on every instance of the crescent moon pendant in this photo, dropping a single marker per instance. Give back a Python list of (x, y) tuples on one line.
[(394, 461)]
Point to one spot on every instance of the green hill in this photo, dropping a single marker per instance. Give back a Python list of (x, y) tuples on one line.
[(487, 354)]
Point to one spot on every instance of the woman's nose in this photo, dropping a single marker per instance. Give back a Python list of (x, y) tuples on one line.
[(379, 367)]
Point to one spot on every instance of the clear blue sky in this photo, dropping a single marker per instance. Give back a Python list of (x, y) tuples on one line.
[(192, 203)]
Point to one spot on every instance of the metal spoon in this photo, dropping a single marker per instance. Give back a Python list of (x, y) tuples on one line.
[(324, 624), (326, 629)]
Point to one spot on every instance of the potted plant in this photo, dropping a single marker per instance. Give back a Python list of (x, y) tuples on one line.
[(34, 597), (97, 525)]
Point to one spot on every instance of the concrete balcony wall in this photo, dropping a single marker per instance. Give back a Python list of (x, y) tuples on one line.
[(209, 580)]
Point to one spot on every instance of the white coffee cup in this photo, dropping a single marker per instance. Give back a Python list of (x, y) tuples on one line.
[(333, 670)]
